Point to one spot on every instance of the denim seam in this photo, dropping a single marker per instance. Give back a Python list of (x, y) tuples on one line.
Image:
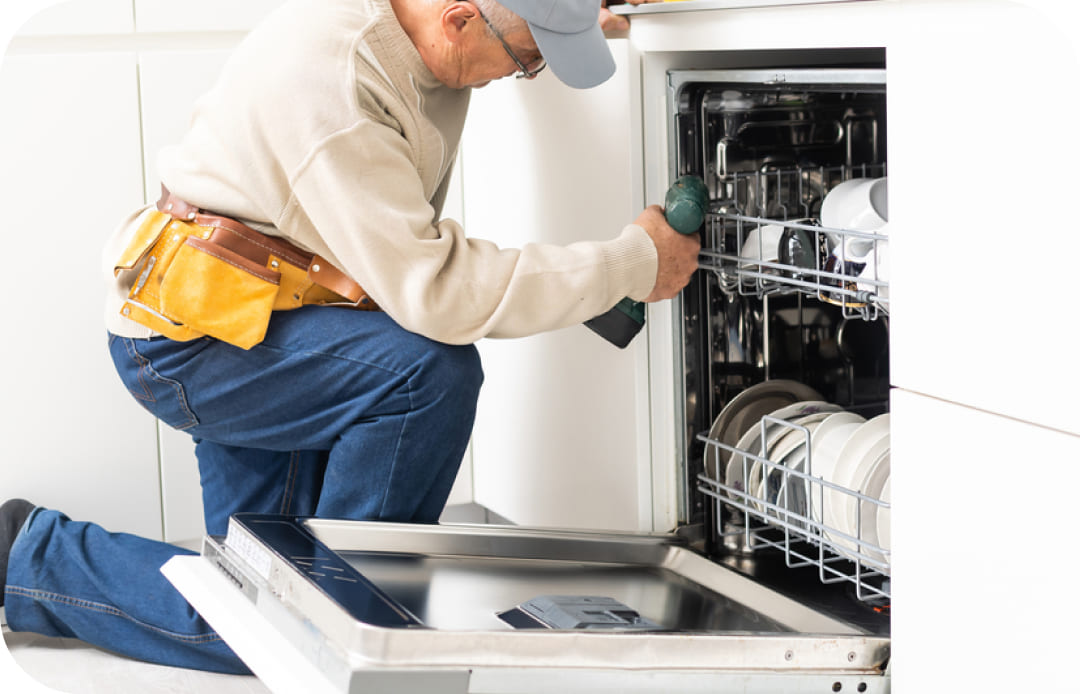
[(147, 394), (145, 367), (107, 609), (290, 482), (331, 355), (397, 446)]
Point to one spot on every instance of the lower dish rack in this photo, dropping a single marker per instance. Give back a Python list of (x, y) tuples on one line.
[(841, 532)]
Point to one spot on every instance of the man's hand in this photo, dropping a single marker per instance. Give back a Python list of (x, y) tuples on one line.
[(613, 23), (676, 254)]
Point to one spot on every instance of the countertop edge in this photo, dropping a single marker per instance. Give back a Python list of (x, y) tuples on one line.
[(703, 5)]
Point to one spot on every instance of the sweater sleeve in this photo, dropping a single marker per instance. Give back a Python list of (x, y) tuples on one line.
[(360, 195)]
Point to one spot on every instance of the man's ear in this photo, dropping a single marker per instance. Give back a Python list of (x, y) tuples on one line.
[(457, 19)]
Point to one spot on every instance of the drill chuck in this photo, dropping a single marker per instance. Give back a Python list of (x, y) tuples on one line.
[(685, 204)]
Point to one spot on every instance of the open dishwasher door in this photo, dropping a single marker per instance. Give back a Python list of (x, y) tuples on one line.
[(318, 605)]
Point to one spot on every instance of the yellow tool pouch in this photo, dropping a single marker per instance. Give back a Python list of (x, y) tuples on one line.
[(210, 275)]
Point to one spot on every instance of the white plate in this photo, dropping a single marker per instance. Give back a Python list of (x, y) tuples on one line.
[(743, 412), (738, 466), (791, 492), (872, 478), (884, 519), (871, 438), (785, 445), (828, 439)]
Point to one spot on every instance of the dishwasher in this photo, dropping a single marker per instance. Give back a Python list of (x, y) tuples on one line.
[(755, 591)]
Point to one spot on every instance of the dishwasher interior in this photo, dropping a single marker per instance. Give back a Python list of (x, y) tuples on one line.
[(784, 329)]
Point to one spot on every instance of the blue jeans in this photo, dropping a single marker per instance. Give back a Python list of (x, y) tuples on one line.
[(336, 414)]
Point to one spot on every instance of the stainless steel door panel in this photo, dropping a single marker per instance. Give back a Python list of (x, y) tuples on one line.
[(368, 597), (467, 593)]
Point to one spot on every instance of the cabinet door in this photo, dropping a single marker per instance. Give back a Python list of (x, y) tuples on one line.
[(69, 172), (555, 441), (80, 17), (980, 182), (982, 504), (200, 15)]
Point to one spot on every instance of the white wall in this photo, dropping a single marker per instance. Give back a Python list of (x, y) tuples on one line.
[(557, 440)]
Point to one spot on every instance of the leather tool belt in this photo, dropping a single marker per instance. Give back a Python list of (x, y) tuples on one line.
[(203, 274)]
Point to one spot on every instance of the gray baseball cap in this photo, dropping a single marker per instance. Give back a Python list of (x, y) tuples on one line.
[(568, 34)]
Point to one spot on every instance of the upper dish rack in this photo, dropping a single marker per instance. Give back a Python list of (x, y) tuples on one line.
[(763, 236)]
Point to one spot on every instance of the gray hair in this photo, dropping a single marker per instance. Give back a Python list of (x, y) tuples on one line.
[(502, 19)]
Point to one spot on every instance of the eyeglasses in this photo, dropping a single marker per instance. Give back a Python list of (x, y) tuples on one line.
[(524, 71)]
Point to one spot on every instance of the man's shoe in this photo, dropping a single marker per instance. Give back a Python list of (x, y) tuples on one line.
[(12, 516)]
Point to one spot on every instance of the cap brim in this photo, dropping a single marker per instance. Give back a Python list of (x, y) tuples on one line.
[(580, 60)]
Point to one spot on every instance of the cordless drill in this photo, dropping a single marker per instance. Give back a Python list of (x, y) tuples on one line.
[(684, 208)]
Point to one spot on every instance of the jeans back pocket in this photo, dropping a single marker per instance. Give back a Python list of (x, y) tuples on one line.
[(161, 396)]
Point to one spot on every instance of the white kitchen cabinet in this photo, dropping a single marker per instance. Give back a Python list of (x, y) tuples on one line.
[(980, 175), (70, 170), (166, 111), (80, 17), (556, 441), (982, 507), (200, 16)]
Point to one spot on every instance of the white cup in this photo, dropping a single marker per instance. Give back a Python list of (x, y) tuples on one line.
[(858, 247), (861, 204), (876, 262), (876, 271)]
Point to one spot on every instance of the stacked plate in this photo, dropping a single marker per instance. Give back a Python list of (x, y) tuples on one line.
[(807, 442), (786, 446), (744, 413), (856, 457)]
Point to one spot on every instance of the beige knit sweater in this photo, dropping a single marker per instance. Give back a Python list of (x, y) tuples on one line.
[(326, 128)]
